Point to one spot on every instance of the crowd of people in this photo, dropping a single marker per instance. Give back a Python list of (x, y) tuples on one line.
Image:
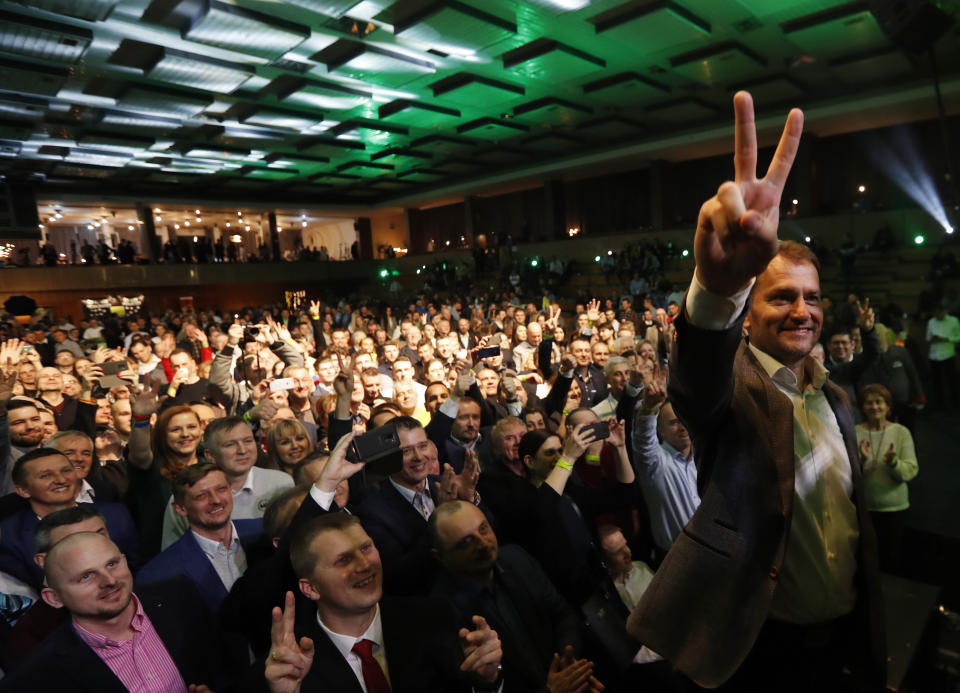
[(452, 494)]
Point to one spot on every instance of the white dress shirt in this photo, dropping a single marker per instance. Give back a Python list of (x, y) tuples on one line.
[(230, 562), (345, 643)]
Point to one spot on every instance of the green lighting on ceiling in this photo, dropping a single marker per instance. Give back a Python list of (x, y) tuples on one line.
[(384, 273), (919, 239), (533, 262), (596, 258)]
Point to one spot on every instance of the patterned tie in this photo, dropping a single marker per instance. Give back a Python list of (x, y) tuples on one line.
[(420, 505), (373, 677)]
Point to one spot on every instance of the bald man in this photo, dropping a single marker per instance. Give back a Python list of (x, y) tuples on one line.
[(164, 629)]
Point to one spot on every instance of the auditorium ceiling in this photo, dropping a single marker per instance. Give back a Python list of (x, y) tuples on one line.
[(384, 101)]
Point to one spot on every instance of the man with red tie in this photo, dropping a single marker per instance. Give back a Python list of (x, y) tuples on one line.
[(354, 641)]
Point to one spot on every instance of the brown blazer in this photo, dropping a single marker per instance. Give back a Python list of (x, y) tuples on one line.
[(710, 597)]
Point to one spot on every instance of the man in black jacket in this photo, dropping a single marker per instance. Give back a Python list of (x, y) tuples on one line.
[(353, 635), (166, 626)]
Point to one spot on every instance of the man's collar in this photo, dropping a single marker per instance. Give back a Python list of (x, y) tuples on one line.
[(345, 643), (780, 374), (211, 546)]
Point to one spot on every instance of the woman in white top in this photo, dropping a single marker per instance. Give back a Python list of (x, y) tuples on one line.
[(889, 462)]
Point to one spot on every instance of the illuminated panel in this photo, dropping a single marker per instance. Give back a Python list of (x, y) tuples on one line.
[(92, 10), (452, 27), (372, 63), (330, 8), (492, 128), (43, 39), (245, 31), (551, 60), (181, 68), (651, 26), (849, 28), (552, 111), (418, 114), (160, 101), (31, 78), (720, 63), (465, 89), (316, 94), (625, 88)]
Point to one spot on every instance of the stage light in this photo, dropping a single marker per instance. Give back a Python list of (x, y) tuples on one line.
[(384, 273), (862, 188), (897, 156), (130, 227), (228, 224), (533, 262), (685, 252), (196, 211), (176, 226), (919, 239), (186, 223), (796, 202), (596, 258), (806, 239)]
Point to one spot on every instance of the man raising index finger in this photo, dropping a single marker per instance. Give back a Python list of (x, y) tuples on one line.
[(773, 584)]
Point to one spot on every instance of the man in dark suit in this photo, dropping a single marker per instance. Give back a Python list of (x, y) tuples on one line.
[(211, 554), (509, 589), (456, 426), (773, 584), (165, 629), (49, 481), (353, 634), (396, 514)]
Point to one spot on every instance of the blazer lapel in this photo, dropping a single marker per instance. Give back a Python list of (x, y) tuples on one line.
[(201, 572), (92, 674), (330, 670)]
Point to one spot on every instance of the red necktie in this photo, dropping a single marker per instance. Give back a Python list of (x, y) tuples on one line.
[(373, 677)]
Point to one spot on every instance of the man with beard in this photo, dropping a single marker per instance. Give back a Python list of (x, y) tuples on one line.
[(211, 554), (24, 431), (115, 640)]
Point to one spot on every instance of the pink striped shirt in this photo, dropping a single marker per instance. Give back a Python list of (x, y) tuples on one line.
[(142, 664)]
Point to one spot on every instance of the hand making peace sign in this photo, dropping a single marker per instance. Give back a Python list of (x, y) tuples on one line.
[(737, 228)]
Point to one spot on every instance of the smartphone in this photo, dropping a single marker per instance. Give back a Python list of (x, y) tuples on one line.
[(26, 349), (488, 352), (379, 449), (113, 367), (282, 384), (601, 430)]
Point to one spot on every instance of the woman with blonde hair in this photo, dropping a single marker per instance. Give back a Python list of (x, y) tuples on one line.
[(287, 443)]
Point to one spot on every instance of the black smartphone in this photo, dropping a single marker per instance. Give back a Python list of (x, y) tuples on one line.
[(379, 449), (488, 352), (601, 430), (113, 367)]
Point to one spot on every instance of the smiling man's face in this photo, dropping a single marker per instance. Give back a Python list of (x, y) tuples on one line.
[(785, 315)]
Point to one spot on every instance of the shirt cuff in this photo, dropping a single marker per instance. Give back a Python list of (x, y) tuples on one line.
[(710, 311), (450, 407), (323, 498), (514, 408)]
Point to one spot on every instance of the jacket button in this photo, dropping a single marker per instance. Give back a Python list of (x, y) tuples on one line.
[(773, 572)]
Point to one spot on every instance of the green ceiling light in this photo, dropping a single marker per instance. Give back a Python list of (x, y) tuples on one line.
[(685, 252), (596, 258), (384, 273), (395, 273), (919, 239), (533, 262)]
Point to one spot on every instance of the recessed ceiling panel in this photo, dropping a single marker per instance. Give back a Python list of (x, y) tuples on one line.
[(442, 144), (330, 8), (91, 10), (418, 114), (651, 27), (401, 155), (372, 62), (31, 78), (42, 39), (316, 94), (849, 28), (421, 175), (769, 90), (552, 142), (451, 26), (492, 128), (244, 31), (551, 110), (200, 72), (625, 88), (611, 127), (682, 111), (272, 173), (719, 63), (162, 101), (870, 68), (547, 59), (465, 89)]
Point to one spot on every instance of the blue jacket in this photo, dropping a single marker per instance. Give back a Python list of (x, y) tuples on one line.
[(17, 545), (186, 559)]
